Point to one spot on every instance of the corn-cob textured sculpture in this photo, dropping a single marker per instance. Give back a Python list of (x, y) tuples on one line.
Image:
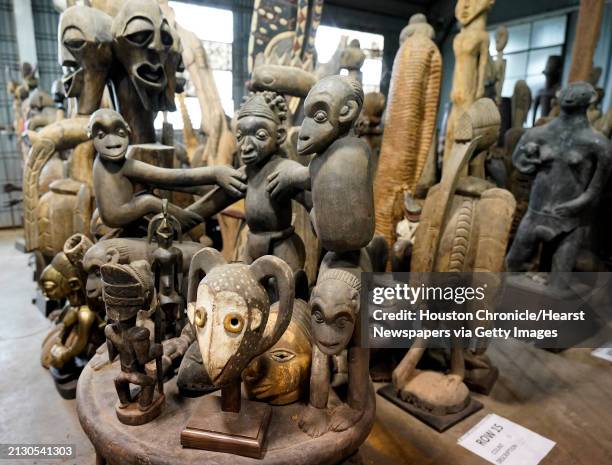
[(410, 124)]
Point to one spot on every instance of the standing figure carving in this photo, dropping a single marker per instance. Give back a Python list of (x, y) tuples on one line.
[(410, 123)]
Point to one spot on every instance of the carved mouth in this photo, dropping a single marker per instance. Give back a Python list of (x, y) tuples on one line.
[(330, 345), (113, 147), (249, 157), (303, 148), (261, 389), (152, 76)]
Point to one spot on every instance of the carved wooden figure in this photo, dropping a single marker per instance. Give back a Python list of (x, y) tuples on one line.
[(127, 290), (229, 308), (571, 164), (464, 227), (167, 269), (341, 168), (471, 48), (115, 176), (369, 126), (499, 62), (410, 123), (544, 98), (335, 319)]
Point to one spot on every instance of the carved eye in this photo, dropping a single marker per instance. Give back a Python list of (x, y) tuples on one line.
[(74, 44), (342, 322), (317, 315), (140, 38), (233, 323), (199, 318), (100, 134), (262, 134), (281, 355), (320, 116), (238, 135), (166, 38), (121, 132)]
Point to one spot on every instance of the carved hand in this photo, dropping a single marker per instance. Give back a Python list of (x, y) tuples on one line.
[(570, 208), (283, 179), (230, 180)]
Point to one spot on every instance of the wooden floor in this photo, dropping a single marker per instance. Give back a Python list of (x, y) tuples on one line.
[(565, 397)]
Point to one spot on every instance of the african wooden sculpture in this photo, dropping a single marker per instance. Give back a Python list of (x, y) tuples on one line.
[(405, 233), (369, 125), (229, 307), (79, 328), (127, 289), (544, 98), (499, 62), (571, 164), (85, 49), (116, 175), (280, 376), (588, 27), (260, 132), (471, 48), (341, 169), (352, 60), (167, 269), (464, 227), (410, 123)]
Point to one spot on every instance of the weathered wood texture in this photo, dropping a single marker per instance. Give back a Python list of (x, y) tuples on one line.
[(587, 34)]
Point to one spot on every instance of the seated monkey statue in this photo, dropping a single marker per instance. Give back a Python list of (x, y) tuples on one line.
[(335, 319), (115, 176), (405, 232), (570, 163), (280, 375)]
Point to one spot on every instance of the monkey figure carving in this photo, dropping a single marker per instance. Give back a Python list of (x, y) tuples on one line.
[(260, 133), (340, 174), (127, 289), (115, 176), (229, 308), (335, 321)]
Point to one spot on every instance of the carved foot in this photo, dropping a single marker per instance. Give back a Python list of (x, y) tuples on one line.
[(343, 417), (314, 421)]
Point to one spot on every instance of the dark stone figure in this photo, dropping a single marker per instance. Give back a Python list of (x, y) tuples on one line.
[(544, 98), (167, 268), (127, 290), (571, 163), (115, 177)]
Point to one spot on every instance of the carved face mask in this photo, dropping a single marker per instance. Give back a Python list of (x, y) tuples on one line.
[(467, 11), (60, 278), (280, 375), (229, 310), (144, 43), (85, 52)]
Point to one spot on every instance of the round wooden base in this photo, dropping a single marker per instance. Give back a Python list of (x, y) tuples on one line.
[(158, 442)]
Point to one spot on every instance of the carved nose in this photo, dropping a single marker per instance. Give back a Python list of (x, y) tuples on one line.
[(252, 372)]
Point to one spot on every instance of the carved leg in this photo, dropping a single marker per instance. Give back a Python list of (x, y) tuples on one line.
[(314, 420), (524, 246), (404, 371), (147, 385), (122, 385), (346, 415), (564, 258)]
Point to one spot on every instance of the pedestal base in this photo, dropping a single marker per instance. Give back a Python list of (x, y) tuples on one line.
[(132, 414), (438, 422), (241, 433)]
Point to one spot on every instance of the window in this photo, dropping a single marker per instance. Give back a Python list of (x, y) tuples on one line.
[(215, 28), (372, 45), (529, 46)]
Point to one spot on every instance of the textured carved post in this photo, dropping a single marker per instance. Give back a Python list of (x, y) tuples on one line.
[(410, 124), (587, 34)]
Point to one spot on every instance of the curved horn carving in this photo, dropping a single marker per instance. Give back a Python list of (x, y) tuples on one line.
[(203, 261), (266, 267)]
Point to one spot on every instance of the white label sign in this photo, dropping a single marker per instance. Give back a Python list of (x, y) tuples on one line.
[(604, 352), (501, 441)]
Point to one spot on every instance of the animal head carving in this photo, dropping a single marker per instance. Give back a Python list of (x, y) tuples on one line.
[(229, 308)]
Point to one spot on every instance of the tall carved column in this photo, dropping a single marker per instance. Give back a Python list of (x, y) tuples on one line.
[(587, 34), (410, 124)]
